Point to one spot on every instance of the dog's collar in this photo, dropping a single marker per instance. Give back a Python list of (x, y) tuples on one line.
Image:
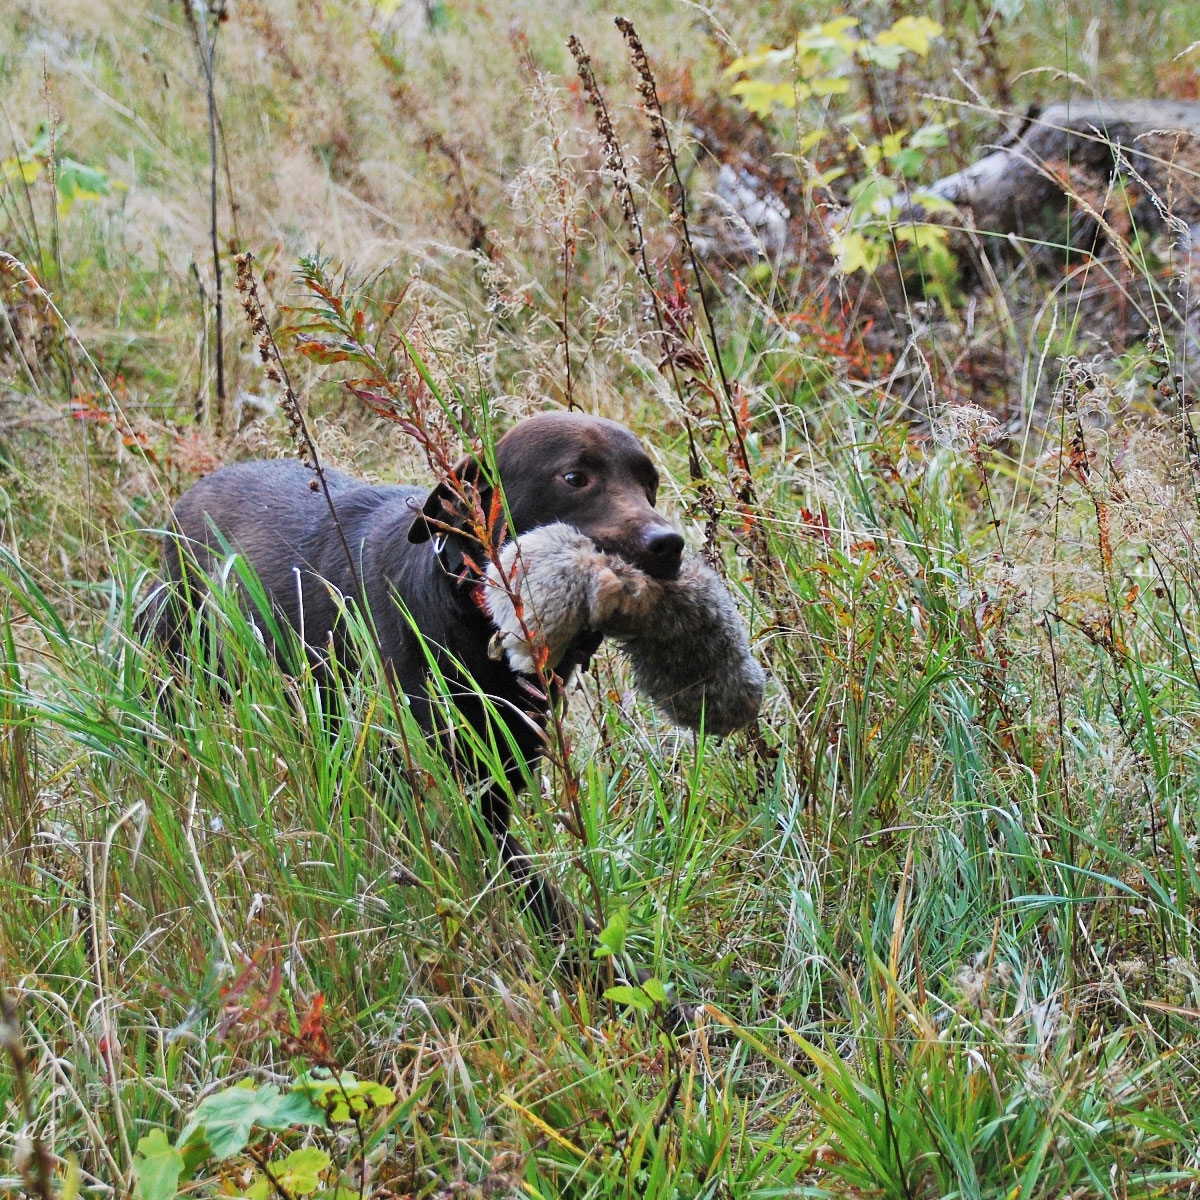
[(461, 574)]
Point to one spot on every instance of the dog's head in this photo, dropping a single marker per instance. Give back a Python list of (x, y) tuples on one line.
[(584, 471)]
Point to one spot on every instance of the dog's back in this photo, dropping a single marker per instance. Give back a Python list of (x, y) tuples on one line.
[(275, 514)]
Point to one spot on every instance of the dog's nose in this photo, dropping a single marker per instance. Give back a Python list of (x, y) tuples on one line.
[(664, 551)]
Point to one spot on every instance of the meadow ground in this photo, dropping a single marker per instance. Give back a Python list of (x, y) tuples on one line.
[(939, 911)]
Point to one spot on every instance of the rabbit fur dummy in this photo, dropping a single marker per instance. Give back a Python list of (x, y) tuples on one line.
[(683, 638)]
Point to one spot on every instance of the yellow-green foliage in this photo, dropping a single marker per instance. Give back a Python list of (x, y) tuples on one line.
[(829, 60)]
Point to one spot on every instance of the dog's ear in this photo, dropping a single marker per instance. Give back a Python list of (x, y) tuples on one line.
[(451, 505)]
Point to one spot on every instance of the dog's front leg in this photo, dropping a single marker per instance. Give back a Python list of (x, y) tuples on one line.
[(554, 914), (558, 918)]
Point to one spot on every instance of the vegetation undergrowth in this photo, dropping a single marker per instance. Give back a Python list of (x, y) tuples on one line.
[(937, 912)]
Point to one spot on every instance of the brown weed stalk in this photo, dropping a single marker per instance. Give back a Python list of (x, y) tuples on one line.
[(277, 373), (665, 153), (732, 400), (664, 320), (34, 1161), (614, 165), (1188, 413), (1080, 460), (335, 331), (206, 47)]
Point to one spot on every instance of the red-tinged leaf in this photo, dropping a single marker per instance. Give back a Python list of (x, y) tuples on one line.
[(105, 1047), (308, 330), (495, 517), (245, 1000), (312, 1019), (321, 353), (142, 442), (818, 524), (743, 406), (379, 402), (309, 1040)]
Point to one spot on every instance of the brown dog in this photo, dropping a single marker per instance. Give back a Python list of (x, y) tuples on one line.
[(415, 550)]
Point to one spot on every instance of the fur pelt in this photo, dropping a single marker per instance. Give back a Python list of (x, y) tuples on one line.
[(684, 638), (550, 585)]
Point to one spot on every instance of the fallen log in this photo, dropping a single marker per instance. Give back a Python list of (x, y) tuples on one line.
[(1100, 171), (1122, 164)]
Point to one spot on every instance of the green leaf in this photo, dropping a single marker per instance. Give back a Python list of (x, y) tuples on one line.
[(759, 96), (887, 57), (929, 136), (260, 1189), (923, 237), (854, 252), (300, 1172), (631, 997), (344, 1097), (908, 161), (832, 36), (764, 56), (931, 203), (612, 936), (871, 198), (157, 1166), (26, 169), (77, 181), (887, 147), (829, 85), (811, 139), (911, 33), (225, 1121), (655, 989), (825, 178), (837, 29)]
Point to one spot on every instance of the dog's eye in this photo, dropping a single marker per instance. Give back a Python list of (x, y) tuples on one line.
[(576, 479)]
